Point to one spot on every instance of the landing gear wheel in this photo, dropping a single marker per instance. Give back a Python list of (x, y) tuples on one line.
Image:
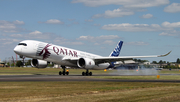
[(83, 74), (60, 72), (67, 73), (90, 73), (64, 72), (87, 73)]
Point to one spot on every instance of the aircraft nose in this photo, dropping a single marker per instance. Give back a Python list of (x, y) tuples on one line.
[(17, 50)]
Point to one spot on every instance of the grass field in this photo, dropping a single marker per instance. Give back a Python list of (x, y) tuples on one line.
[(89, 91), (46, 71), (55, 71)]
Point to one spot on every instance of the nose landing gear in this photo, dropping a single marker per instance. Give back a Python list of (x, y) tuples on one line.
[(64, 72)]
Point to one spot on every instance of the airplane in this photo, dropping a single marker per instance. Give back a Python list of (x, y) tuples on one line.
[(42, 53)]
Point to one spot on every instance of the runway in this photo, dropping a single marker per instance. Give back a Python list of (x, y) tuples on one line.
[(21, 78)]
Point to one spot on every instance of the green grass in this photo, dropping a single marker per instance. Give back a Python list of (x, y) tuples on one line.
[(45, 71), (113, 73), (173, 71), (55, 71), (152, 77), (89, 91)]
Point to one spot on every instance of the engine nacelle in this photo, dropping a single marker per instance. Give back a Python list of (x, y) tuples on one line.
[(86, 63), (39, 63)]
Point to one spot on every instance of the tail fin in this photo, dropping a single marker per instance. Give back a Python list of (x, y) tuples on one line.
[(116, 51)]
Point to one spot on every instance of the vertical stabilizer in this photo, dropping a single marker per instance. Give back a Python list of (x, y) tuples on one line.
[(116, 51)]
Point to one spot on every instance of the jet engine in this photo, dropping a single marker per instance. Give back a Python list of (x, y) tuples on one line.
[(85, 63), (39, 63)]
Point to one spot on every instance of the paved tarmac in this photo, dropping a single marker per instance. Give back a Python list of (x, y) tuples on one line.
[(20, 78)]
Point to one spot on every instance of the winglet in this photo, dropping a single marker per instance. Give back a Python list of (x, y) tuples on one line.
[(116, 51), (165, 54)]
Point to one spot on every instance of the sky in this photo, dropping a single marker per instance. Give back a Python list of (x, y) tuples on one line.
[(147, 27)]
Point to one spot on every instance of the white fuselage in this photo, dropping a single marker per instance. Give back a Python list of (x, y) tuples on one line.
[(54, 53)]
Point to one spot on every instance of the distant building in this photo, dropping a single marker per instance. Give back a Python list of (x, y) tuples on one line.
[(147, 63), (57, 66), (177, 65), (154, 65), (2, 64)]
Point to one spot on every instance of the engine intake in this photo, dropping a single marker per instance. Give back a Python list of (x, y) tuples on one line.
[(39, 63), (85, 63)]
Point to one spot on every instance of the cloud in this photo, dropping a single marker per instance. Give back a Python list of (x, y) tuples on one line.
[(109, 42), (108, 37), (103, 39), (8, 41), (137, 43), (125, 3), (39, 35), (85, 38), (167, 28), (63, 41), (133, 27), (115, 13), (18, 22), (171, 25), (52, 21), (173, 8), (89, 20), (128, 7), (35, 33), (16, 35), (10, 27), (7, 27), (120, 12), (170, 33), (145, 3), (147, 16), (47, 37)]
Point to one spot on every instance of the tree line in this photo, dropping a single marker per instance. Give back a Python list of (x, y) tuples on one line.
[(155, 62), (168, 65)]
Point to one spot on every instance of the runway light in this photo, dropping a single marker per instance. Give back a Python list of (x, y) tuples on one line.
[(158, 76), (105, 70)]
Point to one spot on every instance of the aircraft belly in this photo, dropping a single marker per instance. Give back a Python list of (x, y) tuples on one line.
[(101, 66), (58, 60)]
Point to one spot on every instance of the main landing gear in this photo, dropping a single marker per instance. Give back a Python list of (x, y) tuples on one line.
[(87, 73), (64, 72)]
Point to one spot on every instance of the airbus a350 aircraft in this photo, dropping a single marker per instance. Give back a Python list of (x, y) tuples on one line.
[(42, 53)]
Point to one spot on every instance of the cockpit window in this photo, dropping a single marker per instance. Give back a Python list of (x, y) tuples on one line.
[(24, 44)]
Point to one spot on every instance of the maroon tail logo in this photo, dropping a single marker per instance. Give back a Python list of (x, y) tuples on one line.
[(46, 53)]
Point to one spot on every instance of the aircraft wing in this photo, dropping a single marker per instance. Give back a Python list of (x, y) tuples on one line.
[(124, 58), (99, 60)]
